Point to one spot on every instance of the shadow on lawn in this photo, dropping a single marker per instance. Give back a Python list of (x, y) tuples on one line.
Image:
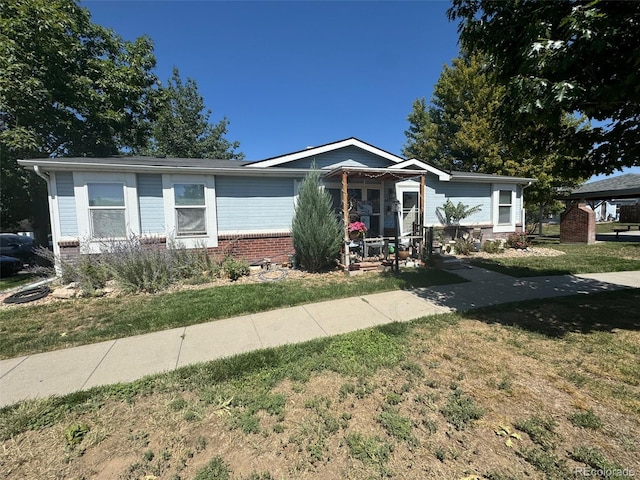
[(516, 271), (556, 317)]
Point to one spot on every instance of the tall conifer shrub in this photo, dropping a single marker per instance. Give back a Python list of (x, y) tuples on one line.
[(317, 234)]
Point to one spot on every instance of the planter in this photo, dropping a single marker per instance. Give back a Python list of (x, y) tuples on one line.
[(403, 254), (355, 236)]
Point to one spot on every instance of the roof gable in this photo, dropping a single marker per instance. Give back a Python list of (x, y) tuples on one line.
[(415, 164), (313, 151)]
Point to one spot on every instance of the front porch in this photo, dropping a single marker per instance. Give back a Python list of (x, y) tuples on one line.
[(393, 213)]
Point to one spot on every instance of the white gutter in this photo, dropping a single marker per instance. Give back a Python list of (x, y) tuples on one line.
[(93, 167), (41, 174)]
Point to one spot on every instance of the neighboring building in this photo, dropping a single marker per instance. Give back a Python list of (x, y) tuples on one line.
[(246, 208)]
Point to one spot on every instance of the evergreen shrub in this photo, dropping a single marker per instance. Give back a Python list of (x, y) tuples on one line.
[(317, 234)]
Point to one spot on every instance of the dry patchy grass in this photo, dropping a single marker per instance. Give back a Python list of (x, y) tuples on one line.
[(318, 415)]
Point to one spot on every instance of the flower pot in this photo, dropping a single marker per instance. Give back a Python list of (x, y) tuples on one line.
[(355, 235), (403, 254)]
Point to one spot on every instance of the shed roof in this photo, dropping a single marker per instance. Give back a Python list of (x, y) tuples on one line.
[(622, 186)]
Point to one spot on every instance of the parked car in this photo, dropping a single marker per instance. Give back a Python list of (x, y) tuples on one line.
[(17, 246), (9, 266)]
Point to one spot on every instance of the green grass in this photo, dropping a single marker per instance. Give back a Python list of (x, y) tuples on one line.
[(32, 329), (577, 258), (302, 403), (398, 426), (595, 459), (541, 430), (461, 410), (586, 419), (17, 280), (553, 230)]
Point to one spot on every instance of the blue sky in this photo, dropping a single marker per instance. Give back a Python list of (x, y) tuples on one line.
[(294, 74)]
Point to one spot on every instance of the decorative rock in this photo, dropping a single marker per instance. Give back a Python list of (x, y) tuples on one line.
[(64, 293)]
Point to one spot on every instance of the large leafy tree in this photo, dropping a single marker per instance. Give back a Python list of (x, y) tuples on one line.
[(182, 127), (463, 129), (459, 130), (554, 58), (68, 87)]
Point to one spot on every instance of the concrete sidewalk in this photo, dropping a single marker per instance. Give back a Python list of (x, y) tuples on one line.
[(127, 359)]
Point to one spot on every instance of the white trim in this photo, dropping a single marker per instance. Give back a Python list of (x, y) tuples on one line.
[(54, 214), (310, 152), (414, 162), (495, 203), (241, 233), (347, 163), (211, 237), (409, 186)]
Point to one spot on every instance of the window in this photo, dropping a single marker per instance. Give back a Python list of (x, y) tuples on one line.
[(505, 205), (190, 209), (107, 210)]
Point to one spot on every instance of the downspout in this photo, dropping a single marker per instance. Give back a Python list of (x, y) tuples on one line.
[(41, 174), (54, 234)]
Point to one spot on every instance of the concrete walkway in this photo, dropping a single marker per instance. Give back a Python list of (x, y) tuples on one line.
[(127, 359)]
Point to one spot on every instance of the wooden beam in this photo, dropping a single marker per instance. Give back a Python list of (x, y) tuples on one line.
[(345, 217), (421, 206)]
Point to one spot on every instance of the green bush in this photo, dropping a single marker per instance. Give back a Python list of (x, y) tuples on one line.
[(216, 469), (464, 246), (140, 269), (315, 230), (492, 246), (517, 240), (234, 268)]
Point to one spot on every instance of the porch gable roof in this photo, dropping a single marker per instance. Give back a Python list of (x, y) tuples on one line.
[(313, 151)]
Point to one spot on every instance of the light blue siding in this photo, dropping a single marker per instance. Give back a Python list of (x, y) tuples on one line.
[(66, 204), (254, 203), (151, 203), (341, 155), (470, 194)]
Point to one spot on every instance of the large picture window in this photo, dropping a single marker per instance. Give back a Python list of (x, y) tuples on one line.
[(107, 210), (190, 208)]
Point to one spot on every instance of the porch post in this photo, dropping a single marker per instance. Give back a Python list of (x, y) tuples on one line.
[(345, 217)]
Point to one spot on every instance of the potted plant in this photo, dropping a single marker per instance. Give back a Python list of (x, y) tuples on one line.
[(438, 238), (357, 230)]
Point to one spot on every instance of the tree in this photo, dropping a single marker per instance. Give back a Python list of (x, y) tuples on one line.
[(451, 215), (182, 128), (463, 129), (317, 234), (554, 58), (68, 87), (459, 130), (422, 136)]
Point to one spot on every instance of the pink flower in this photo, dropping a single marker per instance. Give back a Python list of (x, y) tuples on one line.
[(357, 227)]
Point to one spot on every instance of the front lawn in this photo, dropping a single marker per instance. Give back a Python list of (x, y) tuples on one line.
[(17, 280), (540, 390), (577, 258), (31, 329)]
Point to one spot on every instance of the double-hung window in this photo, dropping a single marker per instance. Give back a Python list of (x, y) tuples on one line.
[(107, 210), (505, 207), (190, 208)]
